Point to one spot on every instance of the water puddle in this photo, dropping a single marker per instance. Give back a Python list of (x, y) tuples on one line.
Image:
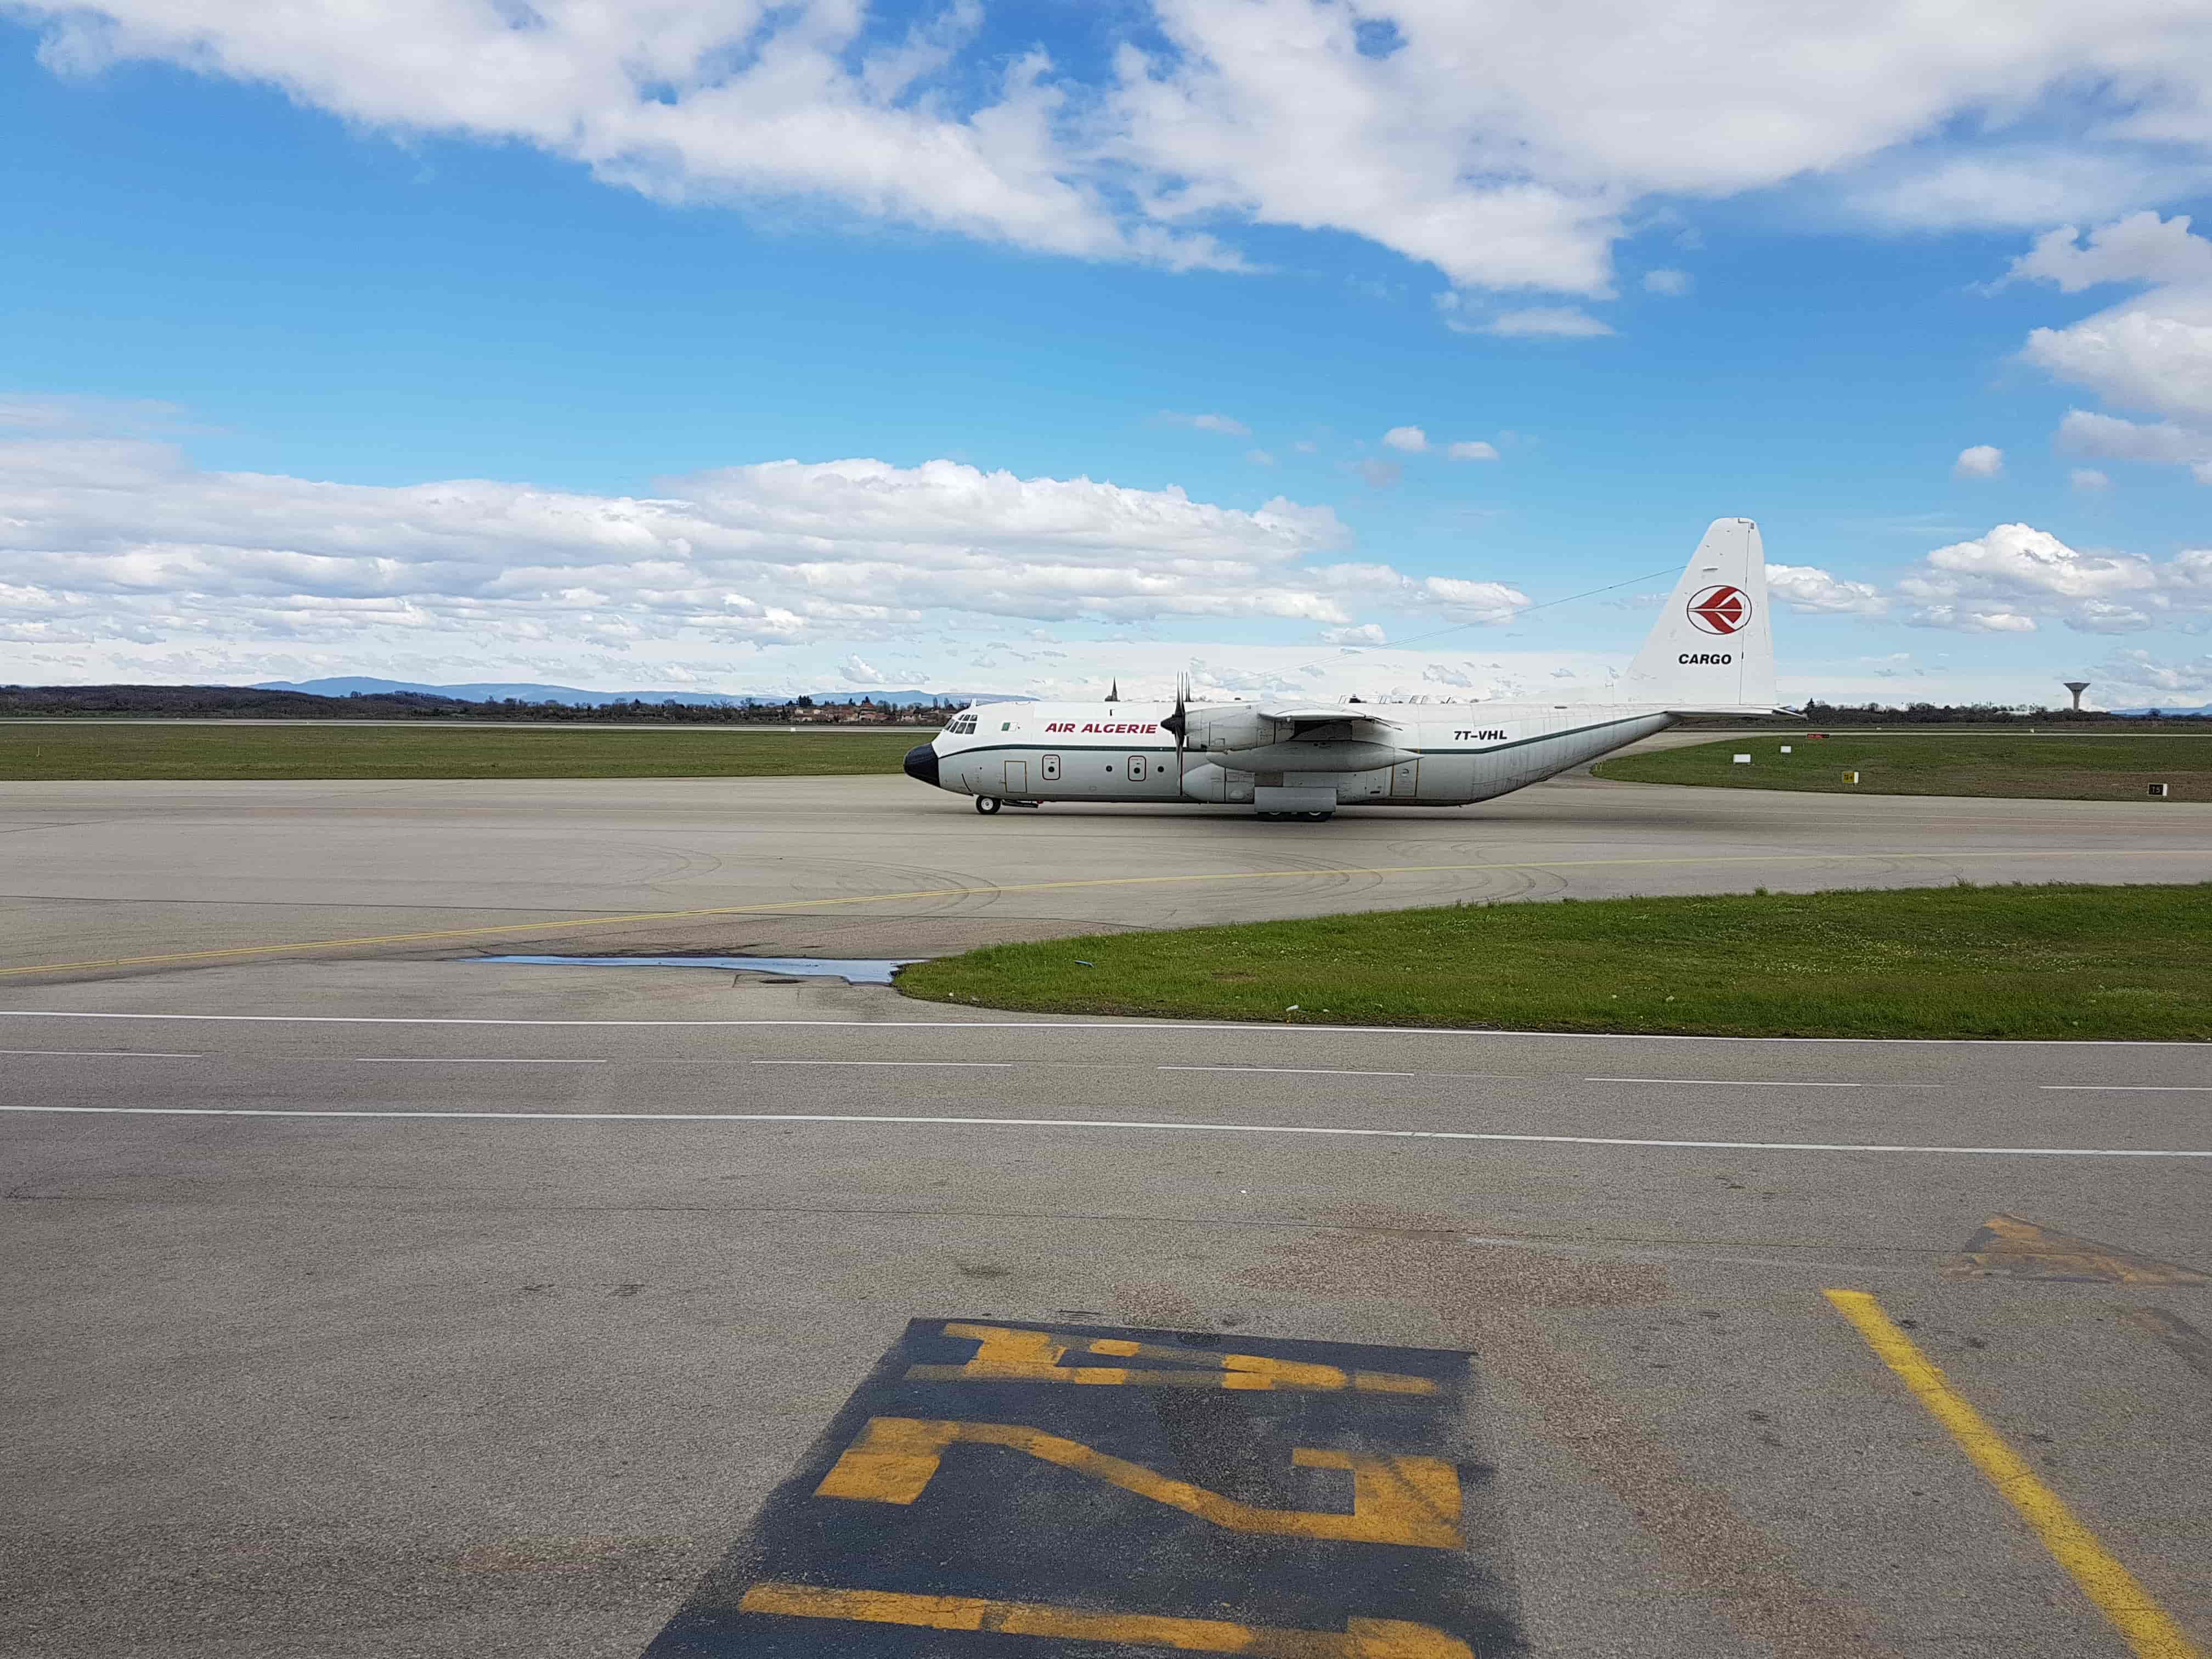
[(852, 971)]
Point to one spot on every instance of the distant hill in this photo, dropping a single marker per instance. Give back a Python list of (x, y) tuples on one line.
[(2170, 709), (270, 702), (352, 685)]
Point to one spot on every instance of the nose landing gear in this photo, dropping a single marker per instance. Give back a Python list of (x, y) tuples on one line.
[(988, 805)]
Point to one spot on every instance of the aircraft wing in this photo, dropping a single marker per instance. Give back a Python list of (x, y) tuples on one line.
[(1302, 718)]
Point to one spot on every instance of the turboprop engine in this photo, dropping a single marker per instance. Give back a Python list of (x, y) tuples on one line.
[(1249, 740)]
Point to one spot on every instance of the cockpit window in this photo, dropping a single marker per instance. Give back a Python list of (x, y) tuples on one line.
[(962, 726)]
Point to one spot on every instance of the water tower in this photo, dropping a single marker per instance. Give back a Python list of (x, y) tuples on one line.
[(2077, 687)]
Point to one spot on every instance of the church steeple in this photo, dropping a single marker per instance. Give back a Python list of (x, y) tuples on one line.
[(1114, 695)]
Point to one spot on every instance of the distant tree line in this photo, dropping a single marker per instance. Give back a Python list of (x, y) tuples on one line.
[(248, 702), (1820, 714)]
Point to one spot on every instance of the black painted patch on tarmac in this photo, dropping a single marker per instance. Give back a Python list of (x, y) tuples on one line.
[(1014, 1512)]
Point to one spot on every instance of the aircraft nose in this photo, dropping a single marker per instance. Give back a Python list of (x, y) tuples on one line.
[(922, 764)]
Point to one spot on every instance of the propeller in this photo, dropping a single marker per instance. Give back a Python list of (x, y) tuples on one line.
[(1179, 722)]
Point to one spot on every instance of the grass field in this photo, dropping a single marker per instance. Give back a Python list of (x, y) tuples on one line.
[(2048, 962), (2062, 767), (61, 751)]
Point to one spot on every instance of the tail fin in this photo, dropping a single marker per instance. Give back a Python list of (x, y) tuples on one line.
[(1710, 652)]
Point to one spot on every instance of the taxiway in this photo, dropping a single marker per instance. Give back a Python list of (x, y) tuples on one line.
[(369, 1304), (108, 876)]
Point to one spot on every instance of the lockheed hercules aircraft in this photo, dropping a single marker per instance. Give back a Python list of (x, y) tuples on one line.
[(1709, 653)]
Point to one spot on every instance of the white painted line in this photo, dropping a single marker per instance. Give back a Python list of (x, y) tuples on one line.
[(961, 1064), (1106, 1023), (1759, 1083), (102, 1054), (2136, 1087), (1103, 1123), (1322, 1071), (1294, 1070), (440, 1059)]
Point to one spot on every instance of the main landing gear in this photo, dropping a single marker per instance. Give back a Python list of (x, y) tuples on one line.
[(1296, 818)]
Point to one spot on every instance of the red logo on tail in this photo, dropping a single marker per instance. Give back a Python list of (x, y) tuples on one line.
[(1719, 610)]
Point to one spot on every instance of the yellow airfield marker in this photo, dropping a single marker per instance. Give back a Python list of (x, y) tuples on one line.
[(1361, 1638), (1395, 1499), (2151, 1630), (2007, 1246)]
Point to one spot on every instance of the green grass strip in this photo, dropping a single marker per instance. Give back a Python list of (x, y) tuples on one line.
[(2062, 767), (2046, 962), (73, 752)]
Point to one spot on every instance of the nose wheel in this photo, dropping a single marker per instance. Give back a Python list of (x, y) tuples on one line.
[(987, 805)]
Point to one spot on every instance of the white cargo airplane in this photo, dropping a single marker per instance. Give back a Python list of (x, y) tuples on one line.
[(1709, 653)]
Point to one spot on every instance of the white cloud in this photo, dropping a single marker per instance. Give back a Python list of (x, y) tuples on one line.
[(2152, 352), (108, 539), (1223, 424), (1980, 461), (1472, 450), (1810, 590), (1672, 284), (2141, 248), (51, 413), (1380, 474), (1365, 634), (2011, 579), (1546, 322), (1466, 601), (2011, 185), (2110, 438), (2192, 678), (2087, 478), (1966, 619), (1506, 145), (1259, 457), (1467, 679), (2138, 358), (861, 675), (2001, 581), (1410, 438)]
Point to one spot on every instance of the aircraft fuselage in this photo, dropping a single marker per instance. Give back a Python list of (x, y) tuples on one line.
[(1447, 756)]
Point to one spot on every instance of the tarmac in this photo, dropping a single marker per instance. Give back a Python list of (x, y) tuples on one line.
[(169, 875), (372, 1298)]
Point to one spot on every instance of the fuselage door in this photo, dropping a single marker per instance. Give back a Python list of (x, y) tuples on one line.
[(1018, 779), (1406, 777)]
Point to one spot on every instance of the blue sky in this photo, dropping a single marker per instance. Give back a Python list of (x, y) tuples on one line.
[(450, 341)]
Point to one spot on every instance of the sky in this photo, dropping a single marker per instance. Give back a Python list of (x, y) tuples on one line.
[(1308, 348)]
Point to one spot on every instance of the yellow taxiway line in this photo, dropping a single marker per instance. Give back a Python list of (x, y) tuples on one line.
[(2149, 1629)]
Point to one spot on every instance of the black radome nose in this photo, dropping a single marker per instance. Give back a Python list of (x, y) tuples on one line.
[(922, 764)]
